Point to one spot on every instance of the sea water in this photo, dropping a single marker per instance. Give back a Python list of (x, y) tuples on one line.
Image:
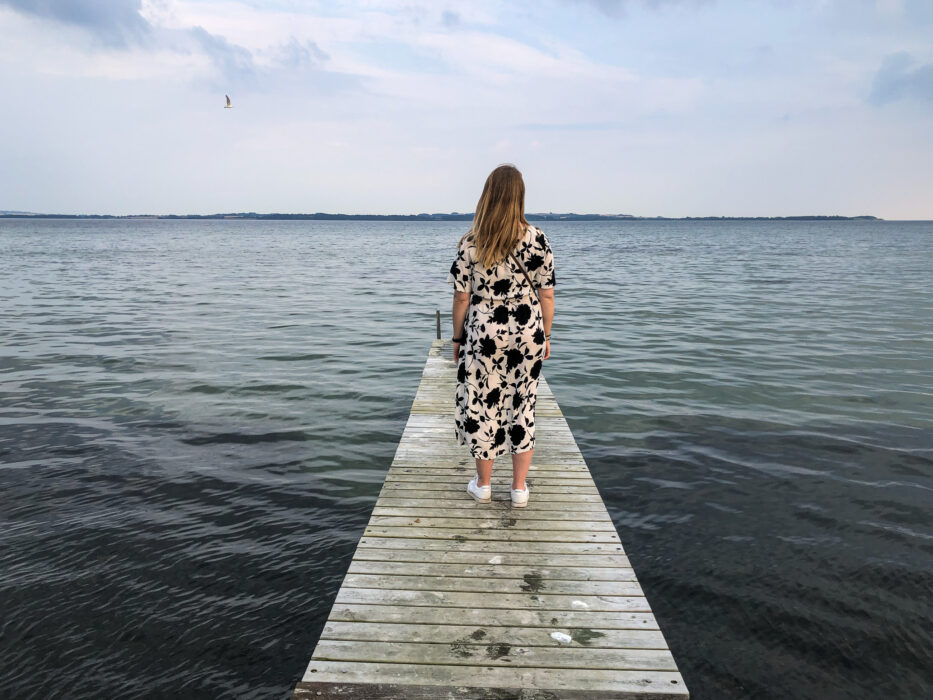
[(196, 418)]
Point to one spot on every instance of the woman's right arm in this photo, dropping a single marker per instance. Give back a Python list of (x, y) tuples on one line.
[(546, 275), (546, 298)]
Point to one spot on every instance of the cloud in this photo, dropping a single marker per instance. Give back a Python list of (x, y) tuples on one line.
[(900, 78), (113, 22), (617, 8), (128, 26), (232, 61), (118, 24), (298, 63), (571, 126), (299, 54)]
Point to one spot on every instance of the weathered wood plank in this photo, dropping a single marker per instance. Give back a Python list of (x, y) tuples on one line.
[(449, 598), (638, 684), (312, 690), (462, 473), (542, 504), (501, 534), (470, 652), (491, 547), (512, 522), (482, 511), (492, 617), (444, 490), (498, 547), (550, 636), (579, 478), (461, 599), (530, 581), (491, 571), (590, 561), (564, 501)]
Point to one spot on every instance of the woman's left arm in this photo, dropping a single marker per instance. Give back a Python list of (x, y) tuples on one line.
[(461, 302)]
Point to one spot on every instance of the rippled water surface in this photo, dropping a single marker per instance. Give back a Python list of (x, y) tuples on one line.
[(196, 418)]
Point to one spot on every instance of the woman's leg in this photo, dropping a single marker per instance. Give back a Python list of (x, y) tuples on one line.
[(483, 471), (528, 335), (521, 463)]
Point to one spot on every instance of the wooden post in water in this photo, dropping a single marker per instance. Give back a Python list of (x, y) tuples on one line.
[(449, 598), (438, 312)]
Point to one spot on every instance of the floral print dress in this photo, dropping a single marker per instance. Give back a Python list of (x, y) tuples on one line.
[(499, 365)]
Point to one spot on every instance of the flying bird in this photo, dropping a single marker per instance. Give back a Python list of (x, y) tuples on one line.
[(228, 105)]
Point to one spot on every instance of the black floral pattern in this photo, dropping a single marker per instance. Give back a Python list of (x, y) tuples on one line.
[(500, 363)]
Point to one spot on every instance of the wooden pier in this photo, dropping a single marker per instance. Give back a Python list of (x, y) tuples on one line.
[(449, 598)]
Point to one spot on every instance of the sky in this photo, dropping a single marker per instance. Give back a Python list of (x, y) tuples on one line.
[(644, 107)]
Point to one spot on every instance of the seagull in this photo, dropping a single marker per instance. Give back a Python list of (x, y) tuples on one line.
[(228, 105)]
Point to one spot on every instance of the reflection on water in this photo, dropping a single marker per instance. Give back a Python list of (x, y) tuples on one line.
[(196, 417)]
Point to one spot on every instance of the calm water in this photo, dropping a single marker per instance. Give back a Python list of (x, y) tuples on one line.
[(196, 418)]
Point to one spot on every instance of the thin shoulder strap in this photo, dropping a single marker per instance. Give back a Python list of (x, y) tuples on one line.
[(521, 267)]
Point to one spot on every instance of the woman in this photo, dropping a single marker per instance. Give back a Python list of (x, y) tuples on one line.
[(500, 343)]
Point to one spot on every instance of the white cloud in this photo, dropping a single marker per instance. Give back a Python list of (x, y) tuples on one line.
[(400, 107), (890, 8)]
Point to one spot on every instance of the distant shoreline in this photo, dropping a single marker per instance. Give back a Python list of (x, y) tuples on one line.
[(453, 216)]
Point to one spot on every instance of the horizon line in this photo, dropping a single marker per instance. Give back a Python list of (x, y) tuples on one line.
[(436, 216)]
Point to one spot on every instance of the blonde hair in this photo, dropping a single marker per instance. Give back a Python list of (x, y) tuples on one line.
[(499, 222)]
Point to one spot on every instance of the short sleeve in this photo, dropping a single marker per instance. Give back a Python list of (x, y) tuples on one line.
[(542, 262), (459, 275)]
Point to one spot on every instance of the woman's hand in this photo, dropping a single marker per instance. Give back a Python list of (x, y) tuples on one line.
[(456, 353), (547, 349)]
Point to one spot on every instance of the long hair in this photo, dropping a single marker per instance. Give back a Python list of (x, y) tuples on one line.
[(499, 222)]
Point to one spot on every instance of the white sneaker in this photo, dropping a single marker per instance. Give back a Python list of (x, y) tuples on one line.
[(482, 494), (519, 497)]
